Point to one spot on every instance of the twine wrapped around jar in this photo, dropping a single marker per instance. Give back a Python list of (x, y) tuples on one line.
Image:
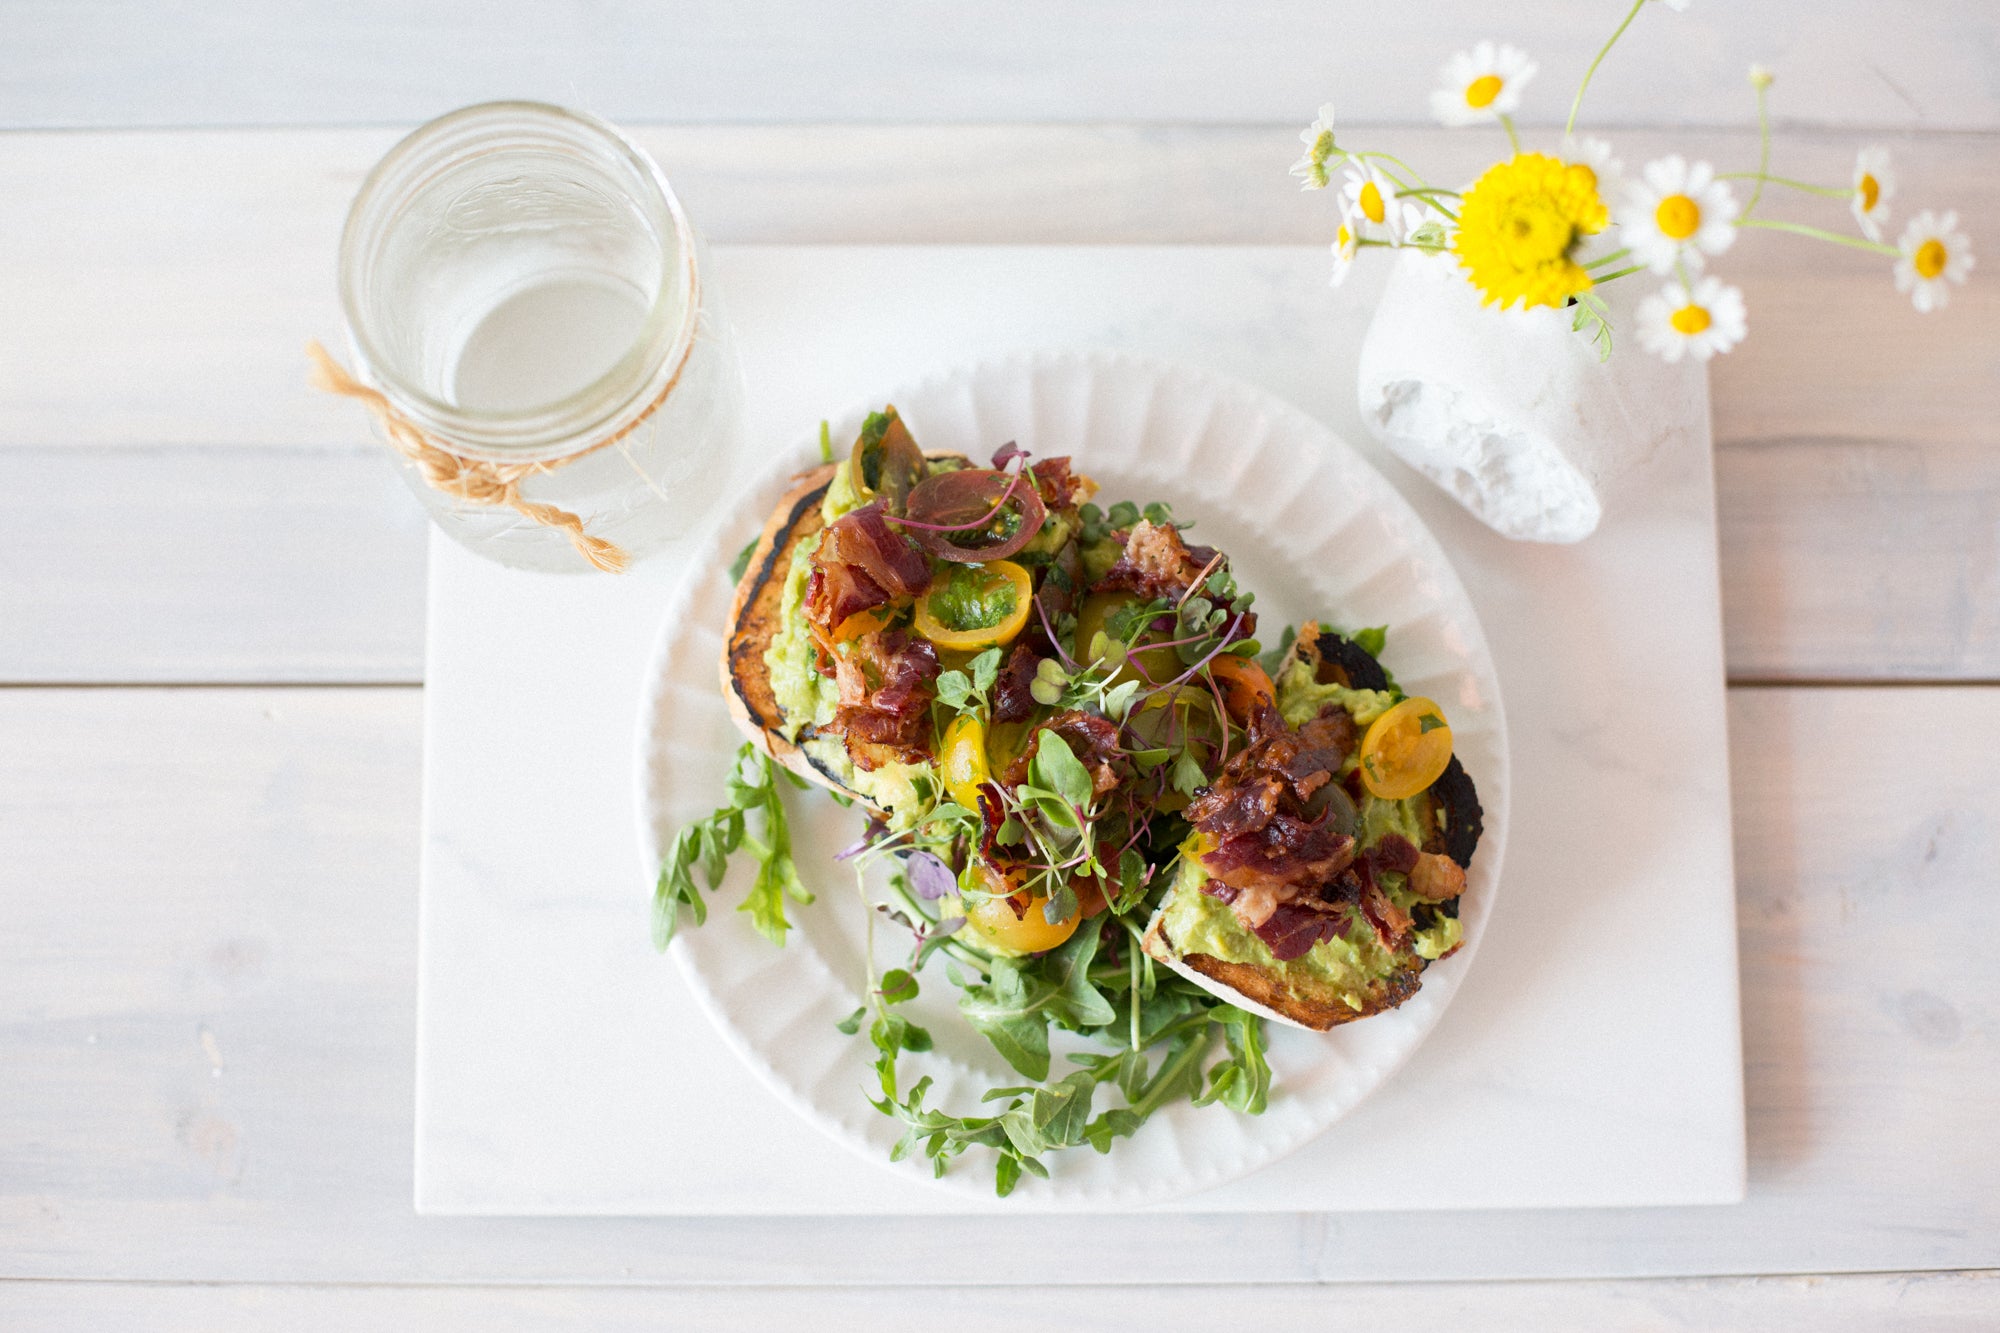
[(478, 480)]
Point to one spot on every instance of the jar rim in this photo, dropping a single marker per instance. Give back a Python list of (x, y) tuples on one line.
[(626, 391)]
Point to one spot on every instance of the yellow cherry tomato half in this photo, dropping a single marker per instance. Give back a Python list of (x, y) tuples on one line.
[(1405, 750), (962, 760), (994, 925), (863, 622), (1161, 664), (1003, 925), (974, 607)]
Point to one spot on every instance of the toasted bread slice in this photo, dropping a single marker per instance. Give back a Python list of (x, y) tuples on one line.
[(756, 616), (1451, 822)]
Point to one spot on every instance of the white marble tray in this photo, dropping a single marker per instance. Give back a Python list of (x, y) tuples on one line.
[(1592, 1057)]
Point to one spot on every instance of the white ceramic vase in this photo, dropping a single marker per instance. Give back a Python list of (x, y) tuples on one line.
[(1513, 412)]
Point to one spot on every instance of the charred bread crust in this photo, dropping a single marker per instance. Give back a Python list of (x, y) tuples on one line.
[(1345, 662), (755, 615), (1313, 1005), (1454, 795)]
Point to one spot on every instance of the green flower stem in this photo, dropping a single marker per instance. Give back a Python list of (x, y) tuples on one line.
[(1611, 258), (1763, 147), (1507, 124), (1825, 191), (1392, 159), (1613, 277), (1820, 234), (1426, 194), (1577, 105)]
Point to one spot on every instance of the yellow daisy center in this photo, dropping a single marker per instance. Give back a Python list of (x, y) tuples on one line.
[(1871, 192), (1343, 238), (1678, 217), (1371, 202), (1479, 94), (1689, 320), (1930, 258)]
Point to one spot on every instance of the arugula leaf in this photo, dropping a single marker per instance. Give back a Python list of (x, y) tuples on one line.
[(1371, 641), (1243, 1081), (1078, 1003), (1055, 1116), (1009, 1012), (709, 842)]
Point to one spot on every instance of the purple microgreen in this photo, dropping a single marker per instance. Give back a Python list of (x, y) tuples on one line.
[(929, 877)]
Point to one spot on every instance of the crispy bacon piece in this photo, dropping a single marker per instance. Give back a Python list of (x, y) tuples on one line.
[(1237, 807), (1092, 739), (1267, 843), (1394, 852), (1060, 487), (861, 563), (1155, 563), (1012, 701), (1436, 877), (1288, 856), (887, 680), (1292, 929), (1391, 923)]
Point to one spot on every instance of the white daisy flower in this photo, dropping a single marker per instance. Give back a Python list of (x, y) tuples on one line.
[(1409, 217), (1677, 322), (1346, 245), (1608, 172), (1369, 198), (1482, 84), (1678, 6), (1318, 139), (1935, 253), (1677, 214), (1874, 187)]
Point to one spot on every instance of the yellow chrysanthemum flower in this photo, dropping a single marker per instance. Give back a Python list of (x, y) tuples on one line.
[(1520, 225)]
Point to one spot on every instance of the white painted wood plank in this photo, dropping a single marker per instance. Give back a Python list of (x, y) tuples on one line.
[(125, 62), (199, 565), (205, 1026), (1861, 1303), (160, 286)]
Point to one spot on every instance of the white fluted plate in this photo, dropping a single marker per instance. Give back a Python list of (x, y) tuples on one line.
[(1308, 525)]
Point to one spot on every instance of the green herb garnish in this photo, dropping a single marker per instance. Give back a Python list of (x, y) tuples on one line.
[(709, 842)]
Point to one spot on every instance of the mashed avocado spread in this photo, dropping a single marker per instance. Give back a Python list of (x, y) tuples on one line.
[(1300, 697)]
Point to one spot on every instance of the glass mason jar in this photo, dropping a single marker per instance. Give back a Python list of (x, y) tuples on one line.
[(522, 287)]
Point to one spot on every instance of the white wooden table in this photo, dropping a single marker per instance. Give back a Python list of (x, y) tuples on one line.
[(211, 633)]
